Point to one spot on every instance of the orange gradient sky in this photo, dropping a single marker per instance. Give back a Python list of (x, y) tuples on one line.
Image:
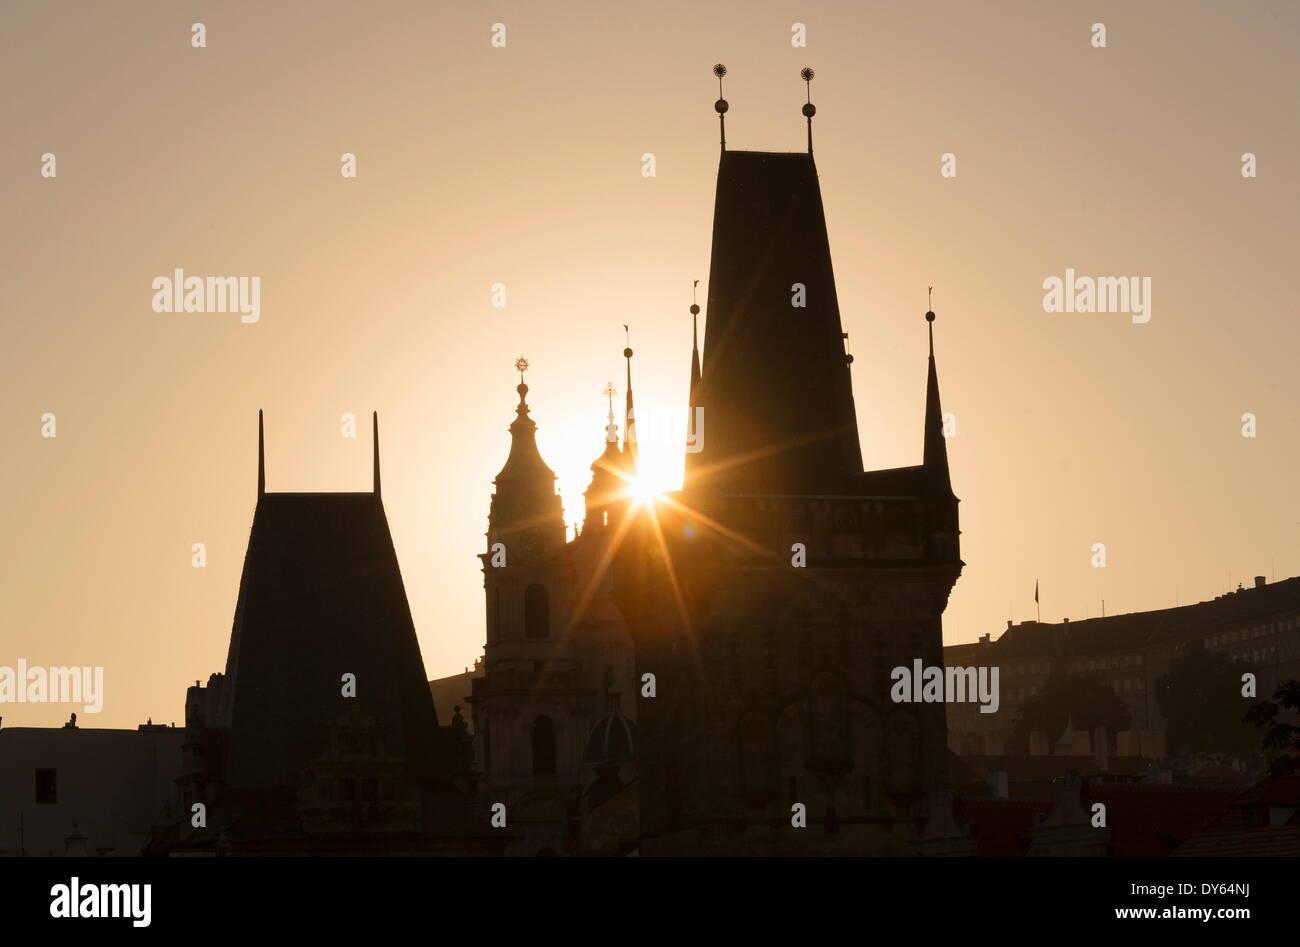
[(522, 165)]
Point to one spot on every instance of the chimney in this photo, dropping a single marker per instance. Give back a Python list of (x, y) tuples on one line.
[(984, 639), (1259, 581)]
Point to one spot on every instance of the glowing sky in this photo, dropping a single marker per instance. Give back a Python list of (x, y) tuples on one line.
[(522, 165)]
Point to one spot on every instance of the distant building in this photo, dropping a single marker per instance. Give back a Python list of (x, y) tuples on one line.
[(77, 791), (1259, 626)]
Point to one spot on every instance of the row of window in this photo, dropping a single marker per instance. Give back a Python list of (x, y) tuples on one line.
[(1254, 631), (1106, 663)]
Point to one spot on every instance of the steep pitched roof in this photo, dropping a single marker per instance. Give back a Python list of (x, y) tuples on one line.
[(775, 388), (321, 596)]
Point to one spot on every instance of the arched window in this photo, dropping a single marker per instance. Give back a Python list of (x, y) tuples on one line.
[(537, 613), (543, 745)]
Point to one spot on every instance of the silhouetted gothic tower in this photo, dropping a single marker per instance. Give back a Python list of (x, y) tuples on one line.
[(772, 597), (322, 736), (558, 659)]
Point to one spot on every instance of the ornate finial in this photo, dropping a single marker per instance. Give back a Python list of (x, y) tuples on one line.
[(721, 105), (627, 336), (809, 110), (611, 429), (695, 307), (929, 318), (521, 366)]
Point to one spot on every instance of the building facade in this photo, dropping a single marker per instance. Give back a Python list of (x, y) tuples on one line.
[(78, 791), (1258, 626)]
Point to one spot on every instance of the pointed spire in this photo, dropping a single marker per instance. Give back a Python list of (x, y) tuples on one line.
[(611, 429), (721, 105), (629, 415), (809, 110), (375, 418), (695, 369), (525, 460), (261, 456), (607, 483), (936, 448), (526, 512)]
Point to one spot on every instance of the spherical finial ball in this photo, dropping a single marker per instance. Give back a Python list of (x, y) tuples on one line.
[(929, 317), (806, 74), (720, 106), (809, 110), (695, 309), (848, 359), (719, 70), (627, 353), (522, 389)]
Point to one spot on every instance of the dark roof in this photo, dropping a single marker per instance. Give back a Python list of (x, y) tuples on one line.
[(1271, 791), (1144, 820), (1000, 827), (612, 740), (321, 596), (775, 387), (1152, 819), (1245, 825)]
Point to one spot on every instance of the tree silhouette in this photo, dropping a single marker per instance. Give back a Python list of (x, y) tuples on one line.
[(1200, 699), (1281, 739), (1084, 701)]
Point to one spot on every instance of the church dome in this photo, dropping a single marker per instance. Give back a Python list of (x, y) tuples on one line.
[(612, 740)]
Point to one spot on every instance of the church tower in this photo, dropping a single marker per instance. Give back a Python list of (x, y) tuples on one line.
[(554, 638), (771, 598)]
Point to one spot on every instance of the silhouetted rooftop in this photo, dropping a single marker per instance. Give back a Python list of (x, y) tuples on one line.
[(321, 596), (1141, 629), (775, 388)]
